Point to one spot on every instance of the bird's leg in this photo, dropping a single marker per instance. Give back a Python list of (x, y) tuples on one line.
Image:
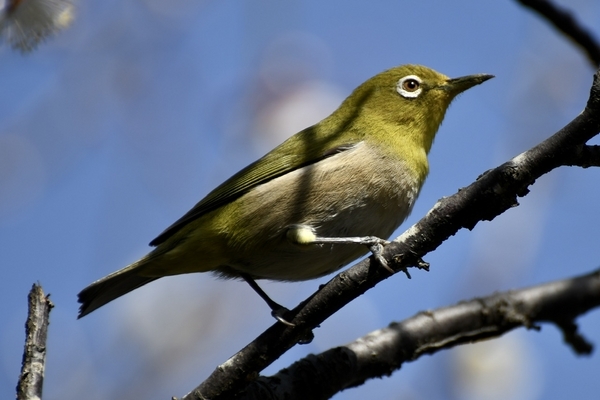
[(303, 234), (277, 310)]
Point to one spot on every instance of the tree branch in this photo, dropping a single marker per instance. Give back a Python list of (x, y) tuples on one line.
[(381, 352), (584, 156), (566, 23), (31, 380)]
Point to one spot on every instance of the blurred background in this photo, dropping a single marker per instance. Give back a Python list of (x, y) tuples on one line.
[(114, 128)]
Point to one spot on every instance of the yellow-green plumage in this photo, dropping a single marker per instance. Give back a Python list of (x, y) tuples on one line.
[(356, 173)]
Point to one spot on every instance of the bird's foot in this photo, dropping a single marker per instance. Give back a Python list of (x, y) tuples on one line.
[(279, 314), (377, 250)]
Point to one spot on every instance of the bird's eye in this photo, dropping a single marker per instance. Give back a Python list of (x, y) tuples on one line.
[(409, 86)]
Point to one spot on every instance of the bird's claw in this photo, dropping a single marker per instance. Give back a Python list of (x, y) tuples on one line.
[(279, 314), (377, 250)]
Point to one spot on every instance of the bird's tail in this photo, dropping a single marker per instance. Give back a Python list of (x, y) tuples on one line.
[(109, 288)]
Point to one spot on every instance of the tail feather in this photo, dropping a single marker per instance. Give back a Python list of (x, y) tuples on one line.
[(109, 288)]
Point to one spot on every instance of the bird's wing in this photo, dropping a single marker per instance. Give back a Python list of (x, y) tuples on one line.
[(288, 157)]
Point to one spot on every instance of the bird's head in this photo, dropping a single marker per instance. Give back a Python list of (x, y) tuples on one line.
[(411, 98)]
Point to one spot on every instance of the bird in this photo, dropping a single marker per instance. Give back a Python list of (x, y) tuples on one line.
[(321, 199)]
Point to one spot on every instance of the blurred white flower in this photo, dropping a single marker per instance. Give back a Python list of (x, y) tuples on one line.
[(503, 368), (24, 23), (301, 107)]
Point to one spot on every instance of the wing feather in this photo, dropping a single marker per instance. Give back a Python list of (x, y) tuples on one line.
[(283, 159)]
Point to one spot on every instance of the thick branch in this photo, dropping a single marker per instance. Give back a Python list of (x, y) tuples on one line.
[(492, 194), (381, 352), (31, 379), (564, 21), (585, 156)]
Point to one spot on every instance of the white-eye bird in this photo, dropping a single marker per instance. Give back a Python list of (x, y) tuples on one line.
[(314, 203)]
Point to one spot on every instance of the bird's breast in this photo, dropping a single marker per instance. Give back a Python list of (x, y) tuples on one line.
[(358, 192)]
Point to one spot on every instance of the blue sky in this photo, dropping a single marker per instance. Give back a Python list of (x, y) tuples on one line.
[(116, 127)]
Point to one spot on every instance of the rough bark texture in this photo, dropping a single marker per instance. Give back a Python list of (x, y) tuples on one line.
[(31, 379)]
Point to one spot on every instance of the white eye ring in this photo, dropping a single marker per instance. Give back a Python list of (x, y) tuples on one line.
[(409, 86)]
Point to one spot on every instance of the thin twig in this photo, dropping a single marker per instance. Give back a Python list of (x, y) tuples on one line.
[(565, 22), (31, 380)]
